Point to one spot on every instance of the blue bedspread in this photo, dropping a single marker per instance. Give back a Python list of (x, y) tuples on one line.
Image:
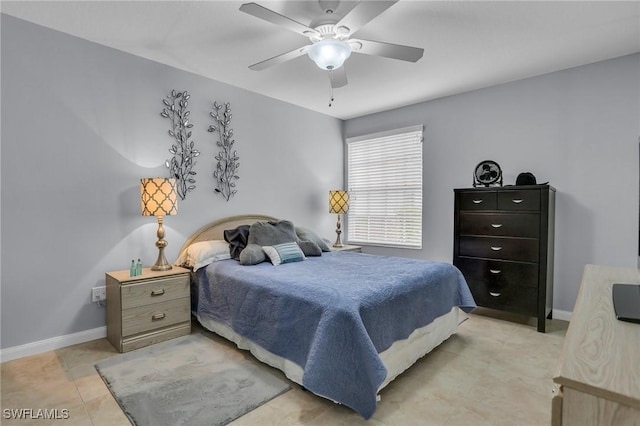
[(332, 314)]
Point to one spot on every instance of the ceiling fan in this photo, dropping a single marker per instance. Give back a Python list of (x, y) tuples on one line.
[(330, 36)]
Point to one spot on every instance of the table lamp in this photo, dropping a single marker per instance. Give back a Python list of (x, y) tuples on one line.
[(158, 198), (338, 203)]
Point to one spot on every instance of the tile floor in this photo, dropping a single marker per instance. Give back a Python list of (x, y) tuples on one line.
[(496, 371)]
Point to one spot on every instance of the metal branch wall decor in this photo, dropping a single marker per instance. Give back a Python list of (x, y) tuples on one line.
[(227, 167), (181, 164)]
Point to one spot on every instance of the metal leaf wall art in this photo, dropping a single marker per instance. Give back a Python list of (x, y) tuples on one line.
[(181, 164), (226, 173)]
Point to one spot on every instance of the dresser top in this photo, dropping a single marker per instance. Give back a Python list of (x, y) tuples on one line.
[(506, 188), (601, 353)]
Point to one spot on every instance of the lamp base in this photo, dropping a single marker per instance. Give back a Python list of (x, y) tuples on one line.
[(338, 243), (161, 262), (161, 267)]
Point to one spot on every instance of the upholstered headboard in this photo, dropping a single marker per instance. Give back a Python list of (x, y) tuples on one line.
[(215, 229)]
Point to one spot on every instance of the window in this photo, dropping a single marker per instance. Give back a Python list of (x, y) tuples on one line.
[(384, 177)]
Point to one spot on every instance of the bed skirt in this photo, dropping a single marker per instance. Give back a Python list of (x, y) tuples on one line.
[(401, 355)]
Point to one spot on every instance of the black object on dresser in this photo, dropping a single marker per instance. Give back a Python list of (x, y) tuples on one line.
[(503, 244)]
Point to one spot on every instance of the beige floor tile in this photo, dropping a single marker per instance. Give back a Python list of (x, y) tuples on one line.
[(78, 360), (90, 387), (518, 404), (105, 411), (25, 371), (420, 409), (339, 415)]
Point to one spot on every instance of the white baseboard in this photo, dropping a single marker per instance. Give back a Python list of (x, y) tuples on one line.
[(561, 315), (51, 344)]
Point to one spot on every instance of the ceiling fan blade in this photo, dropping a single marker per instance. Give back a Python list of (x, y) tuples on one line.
[(362, 13), (388, 50), (269, 15), (279, 59), (338, 77)]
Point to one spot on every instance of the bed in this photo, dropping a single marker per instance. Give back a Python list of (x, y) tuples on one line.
[(342, 325)]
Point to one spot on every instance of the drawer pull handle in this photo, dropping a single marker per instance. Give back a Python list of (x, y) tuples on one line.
[(158, 316), (494, 294), (517, 200), (494, 248), (496, 225), (157, 292), (495, 271), (477, 201)]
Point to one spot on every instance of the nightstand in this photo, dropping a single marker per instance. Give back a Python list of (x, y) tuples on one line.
[(147, 309), (347, 247)]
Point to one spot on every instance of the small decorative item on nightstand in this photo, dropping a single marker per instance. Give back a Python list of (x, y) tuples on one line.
[(148, 308), (338, 203)]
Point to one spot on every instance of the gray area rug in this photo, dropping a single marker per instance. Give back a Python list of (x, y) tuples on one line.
[(191, 380)]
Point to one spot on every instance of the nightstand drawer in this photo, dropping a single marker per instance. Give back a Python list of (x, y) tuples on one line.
[(155, 316), (478, 200), (500, 224), (519, 249), (519, 200), (154, 291)]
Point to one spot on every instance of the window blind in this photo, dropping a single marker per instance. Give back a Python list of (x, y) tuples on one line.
[(384, 178)]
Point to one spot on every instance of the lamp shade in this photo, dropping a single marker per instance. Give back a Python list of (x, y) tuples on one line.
[(338, 201), (158, 197), (329, 54)]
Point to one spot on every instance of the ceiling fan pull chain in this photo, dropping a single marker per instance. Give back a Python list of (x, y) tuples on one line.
[(331, 88)]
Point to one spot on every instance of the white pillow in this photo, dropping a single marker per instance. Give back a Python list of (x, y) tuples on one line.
[(203, 253), (284, 253)]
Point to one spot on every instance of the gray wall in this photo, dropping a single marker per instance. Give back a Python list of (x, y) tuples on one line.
[(81, 125), (577, 129)]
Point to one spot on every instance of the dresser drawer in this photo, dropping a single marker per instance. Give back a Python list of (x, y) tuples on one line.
[(499, 273), (519, 249), (511, 298), (155, 316), (478, 200), (500, 224), (154, 291), (519, 200)]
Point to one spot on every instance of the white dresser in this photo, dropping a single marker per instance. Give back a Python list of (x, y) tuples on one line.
[(599, 372)]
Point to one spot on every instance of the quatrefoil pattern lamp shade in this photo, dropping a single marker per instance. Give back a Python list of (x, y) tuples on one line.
[(158, 197), (338, 201)]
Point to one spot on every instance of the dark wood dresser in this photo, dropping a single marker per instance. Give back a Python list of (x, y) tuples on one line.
[(503, 244)]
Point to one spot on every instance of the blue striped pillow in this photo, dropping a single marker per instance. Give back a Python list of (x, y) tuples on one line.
[(284, 253)]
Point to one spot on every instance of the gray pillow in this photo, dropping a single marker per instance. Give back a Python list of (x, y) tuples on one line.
[(306, 234), (252, 254), (272, 233), (309, 248)]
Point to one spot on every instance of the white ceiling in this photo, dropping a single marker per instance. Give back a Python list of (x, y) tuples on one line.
[(467, 44)]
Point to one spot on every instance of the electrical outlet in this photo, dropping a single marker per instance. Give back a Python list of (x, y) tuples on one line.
[(98, 294)]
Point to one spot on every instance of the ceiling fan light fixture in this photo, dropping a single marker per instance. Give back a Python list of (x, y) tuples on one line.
[(329, 54)]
